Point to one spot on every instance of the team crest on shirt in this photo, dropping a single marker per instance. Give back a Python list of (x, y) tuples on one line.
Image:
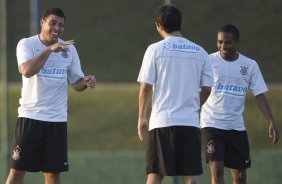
[(64, 54), (211, 147), (244, 70), (167, 46), (16, 153)]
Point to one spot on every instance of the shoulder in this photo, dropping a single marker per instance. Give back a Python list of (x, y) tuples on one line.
[(214, 55), (247, 60), (157, 44), (28, 40), (194, 46), (28, 43)]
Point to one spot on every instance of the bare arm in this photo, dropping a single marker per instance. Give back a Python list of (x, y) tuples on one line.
[(265, 108), (32, 66), (88, 81), (145, 95), (204, 94)]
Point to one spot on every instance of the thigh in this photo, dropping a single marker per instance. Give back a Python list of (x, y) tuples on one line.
[(214, 143), (27, 145), (169, 151), (55, 157), (238, 150), (188, 163), (160, 151)]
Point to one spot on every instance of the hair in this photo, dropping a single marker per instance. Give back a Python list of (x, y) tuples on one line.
[(52, 11), (169, 17), (231, 29)]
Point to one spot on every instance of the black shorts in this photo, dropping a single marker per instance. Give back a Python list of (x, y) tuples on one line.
[(40, 146), (173, 151), (229, 146)]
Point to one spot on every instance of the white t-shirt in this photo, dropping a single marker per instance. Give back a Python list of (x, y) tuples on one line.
[(232, 80), (177, 68), (44, 95)]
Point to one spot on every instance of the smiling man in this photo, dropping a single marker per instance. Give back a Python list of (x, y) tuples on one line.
[(47, 64), (225, 137)]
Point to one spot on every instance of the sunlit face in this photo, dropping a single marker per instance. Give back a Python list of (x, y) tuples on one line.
[(51, 29), (227, 46)]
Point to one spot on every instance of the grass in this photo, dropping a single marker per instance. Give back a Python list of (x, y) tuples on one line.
[(255, 122), (128, 168), (105, 119), (104, 147)]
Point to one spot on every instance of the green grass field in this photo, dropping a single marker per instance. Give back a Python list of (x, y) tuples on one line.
[(128, 168), (105, 119), (104, 147)]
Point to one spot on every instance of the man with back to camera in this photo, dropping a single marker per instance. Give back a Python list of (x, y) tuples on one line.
[(224, 134), (172, 73), (47, 64)]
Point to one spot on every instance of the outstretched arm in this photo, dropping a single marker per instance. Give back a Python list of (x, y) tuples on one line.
[(266, 110), (145, 95)]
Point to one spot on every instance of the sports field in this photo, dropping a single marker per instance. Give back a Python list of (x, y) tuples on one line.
[(104, 147), (127, 167)]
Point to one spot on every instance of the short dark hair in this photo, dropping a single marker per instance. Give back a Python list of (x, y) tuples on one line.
[(169, 17), (229, 28), (52, 11)]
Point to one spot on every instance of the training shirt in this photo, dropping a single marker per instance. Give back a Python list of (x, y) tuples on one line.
[(44, 95), (232, 80), (177, 68)]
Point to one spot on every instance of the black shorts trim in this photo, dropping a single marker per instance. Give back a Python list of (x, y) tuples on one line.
[(174, 150), (229, 146), (40, 146)]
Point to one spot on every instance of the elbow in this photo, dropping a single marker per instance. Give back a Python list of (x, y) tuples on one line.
[(26, 73), (146, 88)]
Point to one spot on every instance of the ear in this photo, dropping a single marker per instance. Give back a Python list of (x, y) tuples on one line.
[(41, 22), (159, 26)]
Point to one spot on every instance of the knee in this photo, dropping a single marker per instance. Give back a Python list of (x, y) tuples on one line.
[(240, 178), (217, 171), (15, 175), (154, 178), (191, 180), (217, 168), (52, 178)]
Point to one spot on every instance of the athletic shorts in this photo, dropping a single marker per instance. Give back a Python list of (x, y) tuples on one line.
[(40, 146), (229, 146), (174, 150)]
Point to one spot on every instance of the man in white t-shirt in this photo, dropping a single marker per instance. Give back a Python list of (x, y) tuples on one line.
[(172, 73), (47, 64), (224, 134)]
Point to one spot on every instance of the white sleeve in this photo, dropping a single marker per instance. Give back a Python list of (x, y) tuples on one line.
[(75, 73), (257, 83), (147, 72), (24, 51), (207, 74)]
